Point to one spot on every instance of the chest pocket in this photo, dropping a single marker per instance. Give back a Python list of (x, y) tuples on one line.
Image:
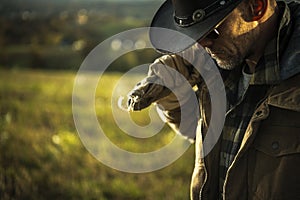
[(280, 141), (273, 165)]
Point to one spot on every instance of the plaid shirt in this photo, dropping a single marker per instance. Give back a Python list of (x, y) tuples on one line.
[(245, 91)]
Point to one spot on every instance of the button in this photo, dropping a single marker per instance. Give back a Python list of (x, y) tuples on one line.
[(275, 145), (258, 113), (198, 15)]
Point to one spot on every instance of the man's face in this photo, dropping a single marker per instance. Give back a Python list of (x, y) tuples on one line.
[(234, 42)]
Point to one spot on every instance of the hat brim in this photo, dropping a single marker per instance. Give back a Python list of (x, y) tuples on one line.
[(176, 39)]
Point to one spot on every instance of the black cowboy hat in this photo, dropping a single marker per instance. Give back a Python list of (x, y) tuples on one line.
[(186, 21)]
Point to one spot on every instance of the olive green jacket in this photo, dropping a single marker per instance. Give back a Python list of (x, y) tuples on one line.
[(267, 164)]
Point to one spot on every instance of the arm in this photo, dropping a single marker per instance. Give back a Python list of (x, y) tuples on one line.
[(161, 85)]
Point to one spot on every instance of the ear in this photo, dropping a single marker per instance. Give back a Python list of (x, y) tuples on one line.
[(258, 9)]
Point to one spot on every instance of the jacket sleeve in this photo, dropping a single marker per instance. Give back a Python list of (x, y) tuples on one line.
[(180, 108), (169, 84)]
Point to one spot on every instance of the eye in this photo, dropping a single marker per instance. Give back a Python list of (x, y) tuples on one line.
[(214, 34)]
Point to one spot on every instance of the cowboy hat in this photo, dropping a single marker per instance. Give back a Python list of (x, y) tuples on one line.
[(178, 24)]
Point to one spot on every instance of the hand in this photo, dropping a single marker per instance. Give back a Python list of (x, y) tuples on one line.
[(144, 94), (167, 73)]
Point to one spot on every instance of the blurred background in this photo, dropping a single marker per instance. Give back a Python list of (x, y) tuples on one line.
[(58, 34), (42, 45)]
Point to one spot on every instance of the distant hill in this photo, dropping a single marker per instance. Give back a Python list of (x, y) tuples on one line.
[(123, 8), (58, 34)]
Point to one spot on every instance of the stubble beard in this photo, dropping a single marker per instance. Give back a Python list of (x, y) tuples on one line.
[(229, 63), (234, 58)]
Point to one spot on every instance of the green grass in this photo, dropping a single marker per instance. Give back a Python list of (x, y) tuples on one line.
[(42, 157)]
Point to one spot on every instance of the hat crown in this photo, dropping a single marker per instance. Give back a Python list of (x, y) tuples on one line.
[(189, 21), (187, 13), (184, 8)]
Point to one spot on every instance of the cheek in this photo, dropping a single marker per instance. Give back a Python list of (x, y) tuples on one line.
[(236, 26), (238, 29), (239, 37)]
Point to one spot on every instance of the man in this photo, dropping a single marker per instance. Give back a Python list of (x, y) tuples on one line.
[(256, 45)]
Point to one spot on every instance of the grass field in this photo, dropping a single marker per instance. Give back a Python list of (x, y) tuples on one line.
[(42, 157)]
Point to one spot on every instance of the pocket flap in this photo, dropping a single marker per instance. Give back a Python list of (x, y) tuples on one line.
[(278, 141)]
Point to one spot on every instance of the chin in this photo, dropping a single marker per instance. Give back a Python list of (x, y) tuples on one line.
[(228, 64), (225, 65)]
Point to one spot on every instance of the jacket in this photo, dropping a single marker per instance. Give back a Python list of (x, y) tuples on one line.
[(267, 163)]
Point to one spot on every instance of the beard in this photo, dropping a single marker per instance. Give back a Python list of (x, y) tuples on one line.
[(226, 60), (231, 52), (229, 63)]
